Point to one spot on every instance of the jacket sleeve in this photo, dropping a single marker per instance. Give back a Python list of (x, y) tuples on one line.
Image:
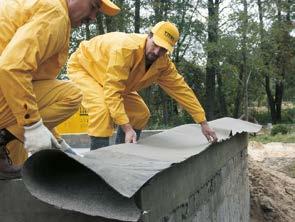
[(39, 38), (175, 86), (117, 73)]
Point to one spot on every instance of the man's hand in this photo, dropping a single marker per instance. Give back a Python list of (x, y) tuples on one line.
[(38, 137), (130, 134), (208, 132)]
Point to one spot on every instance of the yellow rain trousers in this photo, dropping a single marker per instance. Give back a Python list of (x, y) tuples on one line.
[(110, 69), (57, 101), (34, 38)]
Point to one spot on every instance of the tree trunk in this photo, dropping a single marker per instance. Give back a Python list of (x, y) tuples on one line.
[(165, 107), (212, 67), (137, 16), (284, 54), (282, 60), (242, 94), (87, 32), (161, 8), (270, 99), (280, 64), (110, 24), (221, 96), (238, 100), (245, 57), (99, 24), (279, 99)]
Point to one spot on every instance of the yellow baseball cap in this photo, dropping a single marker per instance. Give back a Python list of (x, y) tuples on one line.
[(109, 8), (165, 34)]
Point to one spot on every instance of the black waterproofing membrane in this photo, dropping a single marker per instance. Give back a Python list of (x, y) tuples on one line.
[(103, 182)]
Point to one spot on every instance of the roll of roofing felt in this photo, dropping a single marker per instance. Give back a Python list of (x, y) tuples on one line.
[(105, 182)]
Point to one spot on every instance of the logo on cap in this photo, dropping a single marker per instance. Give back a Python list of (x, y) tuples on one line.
[(168, 35)]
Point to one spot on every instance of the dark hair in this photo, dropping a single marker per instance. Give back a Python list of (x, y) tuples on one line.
[(150, 34)]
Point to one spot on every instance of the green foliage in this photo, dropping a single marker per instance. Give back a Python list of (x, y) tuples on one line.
[(279, 128), (267, 137), (156, 121), (286, 138), (263, 117), (195, 76), (288, 115)]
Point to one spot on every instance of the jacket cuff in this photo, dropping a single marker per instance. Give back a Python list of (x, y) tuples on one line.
[(120, 120), (198, 118)]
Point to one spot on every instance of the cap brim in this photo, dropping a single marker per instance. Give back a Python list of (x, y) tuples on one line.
[(109, 8), (162, 43)]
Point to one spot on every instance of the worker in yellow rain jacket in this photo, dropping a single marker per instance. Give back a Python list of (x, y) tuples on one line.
[(34, 39), (111, 68)]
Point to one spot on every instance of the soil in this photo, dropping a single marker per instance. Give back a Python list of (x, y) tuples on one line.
[(272, 181)]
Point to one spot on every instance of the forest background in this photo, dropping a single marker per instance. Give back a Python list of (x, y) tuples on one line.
[(237, 56)]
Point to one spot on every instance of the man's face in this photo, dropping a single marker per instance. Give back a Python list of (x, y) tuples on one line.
[(82, 11), (153, 51)]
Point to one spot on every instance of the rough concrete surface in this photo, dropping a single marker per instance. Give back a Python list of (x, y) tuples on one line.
[(18, 205), (215, 188)]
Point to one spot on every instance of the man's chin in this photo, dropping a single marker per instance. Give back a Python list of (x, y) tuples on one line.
[(152, 59)]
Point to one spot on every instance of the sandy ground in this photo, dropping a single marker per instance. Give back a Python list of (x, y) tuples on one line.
[(272, 188)]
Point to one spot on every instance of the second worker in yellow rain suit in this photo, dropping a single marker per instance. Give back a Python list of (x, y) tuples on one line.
[(111, 68), (34, 39)]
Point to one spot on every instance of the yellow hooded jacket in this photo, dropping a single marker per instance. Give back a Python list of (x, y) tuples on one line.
[(34, 38), (117, 62)]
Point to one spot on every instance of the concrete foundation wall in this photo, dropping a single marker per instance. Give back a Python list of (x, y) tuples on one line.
[(210, 187)]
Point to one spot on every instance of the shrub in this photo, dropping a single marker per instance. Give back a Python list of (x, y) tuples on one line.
[(288, 115), (280, 128)]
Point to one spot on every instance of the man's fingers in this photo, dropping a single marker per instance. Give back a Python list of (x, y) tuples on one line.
[(134, 140), (208, 138), (211, 137), (208, 132), (214, 139), (131, 138)]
